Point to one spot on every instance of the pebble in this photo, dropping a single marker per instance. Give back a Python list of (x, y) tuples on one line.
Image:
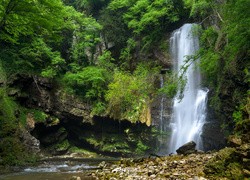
[(169, 167)]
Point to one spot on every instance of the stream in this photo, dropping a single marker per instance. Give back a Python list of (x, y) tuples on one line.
[(57, 169)]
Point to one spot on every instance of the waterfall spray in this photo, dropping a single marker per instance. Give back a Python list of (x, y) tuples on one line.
[(189, 115)]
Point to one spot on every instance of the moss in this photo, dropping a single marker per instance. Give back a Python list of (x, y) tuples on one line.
[(11, 118), (80, 151), (12, 152), (141, 148), (94, 142), (225, 164), (62, 146), (242, 126), (234, 171), (52, 120), (39, 116), (9, 123)]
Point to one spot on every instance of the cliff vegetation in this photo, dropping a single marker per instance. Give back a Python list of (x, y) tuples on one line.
[(70, 64)]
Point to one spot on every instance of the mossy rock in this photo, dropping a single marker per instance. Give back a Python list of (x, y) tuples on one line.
[(225, 164), (60, 148), (225, 154), (243, 126), (63, 146), (234, 171)]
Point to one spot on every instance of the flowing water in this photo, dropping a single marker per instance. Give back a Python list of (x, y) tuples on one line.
[(189, 115), (161, 112), (56, 169)]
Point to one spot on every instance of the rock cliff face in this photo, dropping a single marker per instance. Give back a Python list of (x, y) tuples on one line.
[(59, 121), (67, 121), (213, 136)]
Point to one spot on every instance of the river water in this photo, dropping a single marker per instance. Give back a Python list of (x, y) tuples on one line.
[(57, 170)]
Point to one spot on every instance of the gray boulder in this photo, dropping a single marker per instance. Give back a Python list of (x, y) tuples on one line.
[(187, 148)]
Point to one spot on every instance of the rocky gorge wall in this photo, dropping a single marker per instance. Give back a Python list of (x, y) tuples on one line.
[(59, 122), (213, 135)]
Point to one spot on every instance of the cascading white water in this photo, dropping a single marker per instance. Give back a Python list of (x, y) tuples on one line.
[(188, 115), (161, 112)]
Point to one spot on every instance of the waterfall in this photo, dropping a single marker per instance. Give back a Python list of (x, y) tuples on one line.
[(189, 115), (161, 112)]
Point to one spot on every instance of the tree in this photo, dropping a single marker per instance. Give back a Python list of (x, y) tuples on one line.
[(85, 38), (224, 55), (129, 94), (149, 18), (115, 30), (32, 56), (28, 17)]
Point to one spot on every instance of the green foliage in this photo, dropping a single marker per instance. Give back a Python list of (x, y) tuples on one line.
[(2, 74), (236, 17), (201, 8), (94, 142), (31, 56), (223, 47), (90, 83), (225, 164), (90, 7), (225, 52), (125, 55), (85, 38), (115, 30), (174, 84), (149, 18), (129, 94), (243, 111), (30, 38), (11, 149), (7, 109), (62, 145), (106, 62), (237, 116), (25, 17), (141, 148), (39, 116)]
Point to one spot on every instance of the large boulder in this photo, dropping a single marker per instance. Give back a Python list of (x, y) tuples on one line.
[(187, 148), (31, 144)]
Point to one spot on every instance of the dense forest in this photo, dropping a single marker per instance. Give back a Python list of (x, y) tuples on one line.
[(102, 53)]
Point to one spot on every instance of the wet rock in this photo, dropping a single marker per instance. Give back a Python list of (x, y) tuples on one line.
[(1, 161), (31, 144), (200, 152), (103, 164), (127, 161), (234, 141), (246, 172), (246, 162), (30, 122), (187, 148), (75, 178), (117, 170)]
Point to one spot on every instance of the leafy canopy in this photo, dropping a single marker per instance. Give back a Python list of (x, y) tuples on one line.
[(29, 17), (129, 94)]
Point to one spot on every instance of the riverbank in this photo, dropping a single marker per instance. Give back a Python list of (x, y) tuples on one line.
[(169, 167), (228, 163)]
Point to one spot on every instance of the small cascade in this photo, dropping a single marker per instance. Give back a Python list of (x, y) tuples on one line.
[(189, 115), (162, 111)]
